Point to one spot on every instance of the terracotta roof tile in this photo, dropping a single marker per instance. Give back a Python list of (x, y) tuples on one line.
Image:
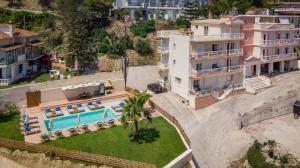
[(24, 33), (4, 36)]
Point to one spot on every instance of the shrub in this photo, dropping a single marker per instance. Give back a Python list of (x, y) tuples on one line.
[(103, 48), (256, 158), (284, 159), (143, 47), (271, 153), (271, 143), (180, 23), (127, 41), (141, 29), (118, 48)]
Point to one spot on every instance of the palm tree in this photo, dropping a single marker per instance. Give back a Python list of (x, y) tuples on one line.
[(134, 111)]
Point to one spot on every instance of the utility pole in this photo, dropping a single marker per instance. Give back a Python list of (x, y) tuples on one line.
[(125, 59)]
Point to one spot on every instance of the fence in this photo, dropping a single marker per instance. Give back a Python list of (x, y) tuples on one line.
[(173, 120), (84, 156)]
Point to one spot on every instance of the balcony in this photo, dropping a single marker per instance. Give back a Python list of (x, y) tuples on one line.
[(163, 67), (166, 33), (219, 37), (163, 50), (217, 54), (270, 27), (216, 71), (279, 42), (280, 57)]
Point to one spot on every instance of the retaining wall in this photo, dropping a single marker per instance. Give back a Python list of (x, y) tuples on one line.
[(181, 160), (276, 107)]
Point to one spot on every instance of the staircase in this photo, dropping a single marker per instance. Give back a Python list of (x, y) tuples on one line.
[(257, 84), (226, 93)]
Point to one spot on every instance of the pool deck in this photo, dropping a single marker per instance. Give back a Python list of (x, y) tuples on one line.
[(37, 111)]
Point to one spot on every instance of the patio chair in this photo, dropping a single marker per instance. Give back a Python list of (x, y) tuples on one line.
[(91, 106), (100, 125), (79, 108), (70, 109), (85, 127), (45, 137), (59, 134), (111, 122), (72, 131)]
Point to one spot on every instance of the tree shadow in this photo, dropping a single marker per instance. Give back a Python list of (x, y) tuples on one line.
[(147, 135), (5, 117)]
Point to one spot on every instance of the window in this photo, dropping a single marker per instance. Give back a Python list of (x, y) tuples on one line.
[(1, 73), (264, 52), (278, 36), (287, 35), (286, 50), (215, 47), (232, 46), (196, 26), (196, 85), (277, 51), (205, 30), (198, 66), (177, 80), (20, 69), (214, 66)]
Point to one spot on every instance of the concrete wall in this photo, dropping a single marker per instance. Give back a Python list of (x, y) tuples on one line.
[(276, 107), (50, 89), (181, 160)]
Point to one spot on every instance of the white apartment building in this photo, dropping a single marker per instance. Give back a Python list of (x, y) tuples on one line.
[(170, 9), (208, 62), (19, 53)]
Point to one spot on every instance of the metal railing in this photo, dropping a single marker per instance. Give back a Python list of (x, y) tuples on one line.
[(223, 36), (280, 57), (216, 54), (162, 49), (4, 82), (216, 71), (280, 42)]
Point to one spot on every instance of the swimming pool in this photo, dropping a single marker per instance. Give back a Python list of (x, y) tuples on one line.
[(85, 118)]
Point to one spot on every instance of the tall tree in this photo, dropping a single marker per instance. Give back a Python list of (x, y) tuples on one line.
[(191, 11), (134, 111), (78, 43)]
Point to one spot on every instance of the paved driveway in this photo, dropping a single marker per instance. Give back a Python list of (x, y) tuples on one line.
[(213, 131)]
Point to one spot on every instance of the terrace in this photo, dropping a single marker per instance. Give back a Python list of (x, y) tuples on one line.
[(280, 57), (217, 54), (279, 42), (216, 71)]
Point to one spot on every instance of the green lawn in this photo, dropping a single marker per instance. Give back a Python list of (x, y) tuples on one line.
[(10, 126), (161, 143)]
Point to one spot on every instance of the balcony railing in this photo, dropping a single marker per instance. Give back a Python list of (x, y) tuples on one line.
[(280, 57), (217, 54), (216, 71), (163, 50), (4, 82), (280, 42), (223, 36), (266, 26), (163, 66)]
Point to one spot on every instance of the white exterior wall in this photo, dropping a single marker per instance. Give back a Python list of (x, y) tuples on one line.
[(212, 29), (179, 66)]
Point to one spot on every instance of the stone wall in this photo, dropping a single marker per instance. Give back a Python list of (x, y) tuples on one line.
[(276, 107)]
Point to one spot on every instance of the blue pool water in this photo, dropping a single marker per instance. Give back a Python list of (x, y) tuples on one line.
[(85, 118)]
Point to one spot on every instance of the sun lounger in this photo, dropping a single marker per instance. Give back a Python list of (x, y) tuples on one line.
[(45, 137), (70, 109), (30, 125), (59, 133), (30, 121), (91, 106), (79, 108), (72, 131), (23, 117), (122, 104), (58, 111), (117, 108), (29, 131), (49, 113)]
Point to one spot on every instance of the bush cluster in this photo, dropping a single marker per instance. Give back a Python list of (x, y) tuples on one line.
[(143, 28)]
